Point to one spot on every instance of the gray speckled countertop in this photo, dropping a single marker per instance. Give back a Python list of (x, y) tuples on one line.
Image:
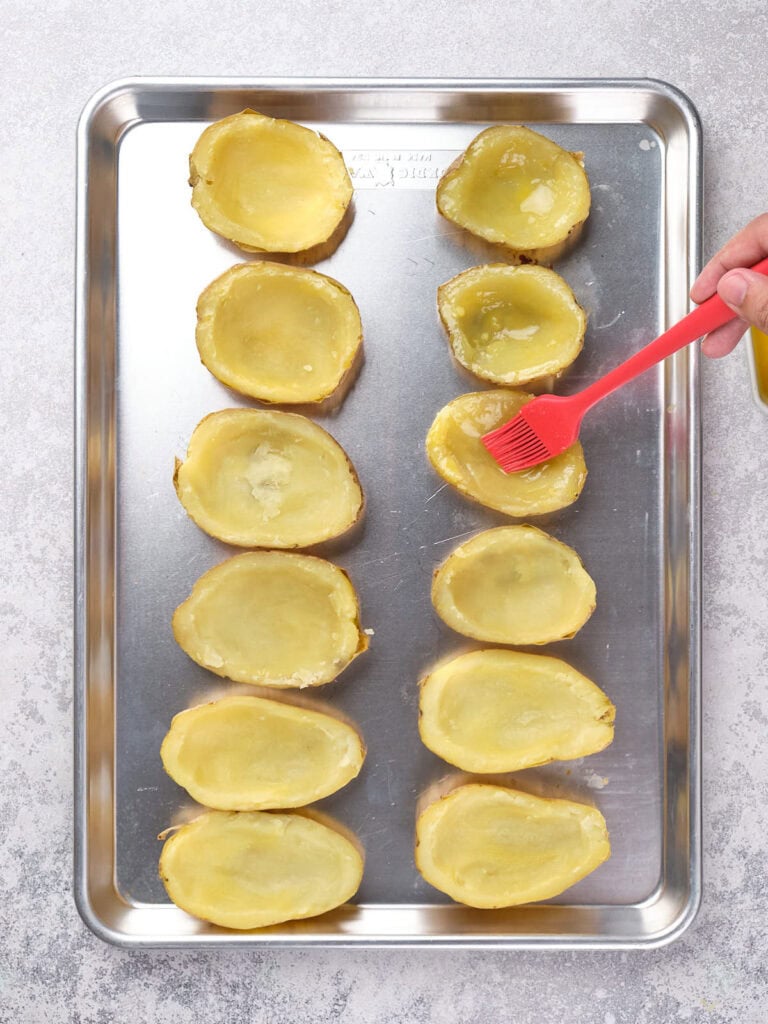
[(52, 969)]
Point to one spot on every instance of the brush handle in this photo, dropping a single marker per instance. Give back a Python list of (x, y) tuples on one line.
[(705, 318)]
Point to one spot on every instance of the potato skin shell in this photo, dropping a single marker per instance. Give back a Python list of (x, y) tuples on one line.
[(544, 255), (260, 916), (474, 633), (599, 711), (250, 543), (461, 892), (516, 510), (522, 379), (363, 641), (203, 332), (200, 788), (322, 244)]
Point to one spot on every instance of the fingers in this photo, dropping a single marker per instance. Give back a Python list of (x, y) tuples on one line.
[(741, 289), (724, 340), (744, 249), (747, 294)]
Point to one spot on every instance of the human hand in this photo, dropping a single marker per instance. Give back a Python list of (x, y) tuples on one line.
[(743, 290)]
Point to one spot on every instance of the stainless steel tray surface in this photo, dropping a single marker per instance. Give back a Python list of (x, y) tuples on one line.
[(144, 256)]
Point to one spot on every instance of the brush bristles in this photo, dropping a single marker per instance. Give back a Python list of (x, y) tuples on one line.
[(516, 446)]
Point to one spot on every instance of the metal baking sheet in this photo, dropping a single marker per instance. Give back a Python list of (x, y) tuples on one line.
[(143, 258)]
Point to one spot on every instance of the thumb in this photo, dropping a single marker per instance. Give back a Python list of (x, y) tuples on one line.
[(747, 293)]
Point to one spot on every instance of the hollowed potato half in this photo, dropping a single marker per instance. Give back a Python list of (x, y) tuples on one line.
[(250, 869), (273, 619), (262, 478), (492, 846), (511, 325), (455, 449), (251, 754), (501, 711), (278, 333), (516, 188), (268, 185), (514, 585)]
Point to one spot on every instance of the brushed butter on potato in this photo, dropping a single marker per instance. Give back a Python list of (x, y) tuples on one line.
[(518, 189), (455, 449), (511, 325)]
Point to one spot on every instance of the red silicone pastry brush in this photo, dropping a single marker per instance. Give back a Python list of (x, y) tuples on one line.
[(549, 424)]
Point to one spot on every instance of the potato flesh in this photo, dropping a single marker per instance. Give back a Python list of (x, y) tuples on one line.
[(502, 711), (268, 185), (250, 869), (247, 753), (455, 449), (259, 478), (511, 325), (272, 618), (278, 333), (490, 846), (514, 585), (515, 187)]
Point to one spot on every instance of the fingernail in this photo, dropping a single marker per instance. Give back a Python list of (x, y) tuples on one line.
[(733, 288)]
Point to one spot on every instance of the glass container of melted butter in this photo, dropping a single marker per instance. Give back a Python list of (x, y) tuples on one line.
[(758, 359)]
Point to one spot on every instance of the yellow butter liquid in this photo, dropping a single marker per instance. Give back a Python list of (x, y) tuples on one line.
[(760, 352)]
